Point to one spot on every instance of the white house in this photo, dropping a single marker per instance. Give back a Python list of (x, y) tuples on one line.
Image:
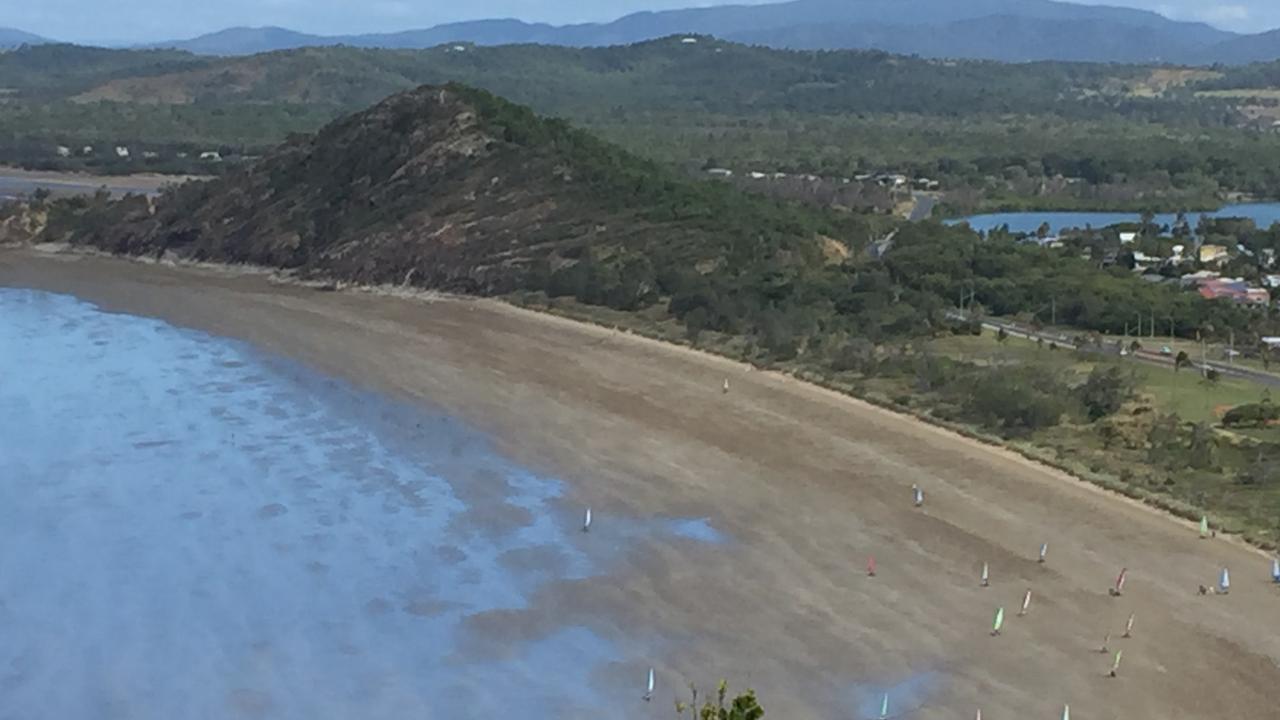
[(689, 40), (211, 155), (1127, 238), (64, 151), (720, 172), (86, 150), (122, 151)]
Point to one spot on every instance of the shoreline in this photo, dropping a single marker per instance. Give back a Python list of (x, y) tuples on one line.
[(1153, 503), (804, 481), (70, 180)]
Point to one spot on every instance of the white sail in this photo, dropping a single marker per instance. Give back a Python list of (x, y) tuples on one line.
[(648, 693), (978, 716), (1115, 666), (1224, 582), (884, 707), (986, 574), (1044, 550), (918, 495), (586, 521), (1026, 603), (1066, 712), (1128, 626), (1275, 570)]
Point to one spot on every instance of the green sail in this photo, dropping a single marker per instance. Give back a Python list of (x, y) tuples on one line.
[(999, 620), (884, 707), (1204, 526)]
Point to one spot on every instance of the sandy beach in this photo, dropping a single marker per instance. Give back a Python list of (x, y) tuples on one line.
[(805, 485)]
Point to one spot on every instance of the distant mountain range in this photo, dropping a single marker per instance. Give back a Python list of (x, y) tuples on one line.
[(1005, 30), (11, 38)]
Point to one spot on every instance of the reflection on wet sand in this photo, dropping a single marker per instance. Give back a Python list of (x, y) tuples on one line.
[(208, 531)]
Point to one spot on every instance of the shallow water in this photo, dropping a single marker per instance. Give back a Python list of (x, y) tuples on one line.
[(191, 529), (15, 187), (1263, 214)]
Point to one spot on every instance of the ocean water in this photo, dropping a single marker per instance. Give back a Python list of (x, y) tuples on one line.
[(192, 529)]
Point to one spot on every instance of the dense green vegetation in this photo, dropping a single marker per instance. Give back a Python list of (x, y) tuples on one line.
[(1051, 134), (1258, 76), (57, 71)]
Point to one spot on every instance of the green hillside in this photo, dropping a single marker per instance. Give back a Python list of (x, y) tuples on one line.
[(1002, 134)]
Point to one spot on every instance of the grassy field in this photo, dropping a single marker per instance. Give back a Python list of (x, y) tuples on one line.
[(1183, 392), (1191, 396), (1238, 483)]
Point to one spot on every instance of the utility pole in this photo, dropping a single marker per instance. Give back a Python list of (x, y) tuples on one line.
[(1231, 349), (1153, 324), (1204, 358), (1053, 311)]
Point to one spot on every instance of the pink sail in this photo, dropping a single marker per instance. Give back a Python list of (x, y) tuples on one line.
[(1124, 575)]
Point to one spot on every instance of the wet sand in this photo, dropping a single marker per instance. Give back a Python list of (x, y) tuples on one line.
[(805, 485)]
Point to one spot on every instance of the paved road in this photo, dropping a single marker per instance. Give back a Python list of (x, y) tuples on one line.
[(1147, 356), (924, 207)]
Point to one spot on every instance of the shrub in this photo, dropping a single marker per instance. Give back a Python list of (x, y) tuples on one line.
[(1251, 415), (1105, 391)]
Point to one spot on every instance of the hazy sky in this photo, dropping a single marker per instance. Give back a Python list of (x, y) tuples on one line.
[(137, 20)]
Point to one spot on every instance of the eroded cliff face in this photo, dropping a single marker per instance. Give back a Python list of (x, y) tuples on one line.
[(21, 222)]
